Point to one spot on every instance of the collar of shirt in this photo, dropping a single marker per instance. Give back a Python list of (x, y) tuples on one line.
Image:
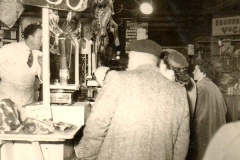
[(25, 45)]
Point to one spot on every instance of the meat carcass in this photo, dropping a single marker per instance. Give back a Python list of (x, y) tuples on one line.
[(53, 23), (8, 117), (101, 19), (105, 2)]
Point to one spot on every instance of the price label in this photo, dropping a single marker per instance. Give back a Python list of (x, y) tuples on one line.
[(38, 111)]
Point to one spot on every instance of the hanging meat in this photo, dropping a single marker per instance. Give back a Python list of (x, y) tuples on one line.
[(9, 121), (53, 23), (105, 3), (101, 19)]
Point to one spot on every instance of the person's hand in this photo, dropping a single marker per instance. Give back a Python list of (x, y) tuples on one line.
[(39, 60), (37, 83)]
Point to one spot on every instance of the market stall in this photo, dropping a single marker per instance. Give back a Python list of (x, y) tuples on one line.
[(60, 105)]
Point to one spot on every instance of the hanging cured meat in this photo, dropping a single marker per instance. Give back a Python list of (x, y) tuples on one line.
[(8, 117), (101, 19), (53, 22), (104, 3)]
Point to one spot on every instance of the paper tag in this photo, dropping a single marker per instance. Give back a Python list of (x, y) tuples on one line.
[(38, 111)]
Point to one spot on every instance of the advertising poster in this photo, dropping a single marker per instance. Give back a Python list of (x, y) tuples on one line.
[(136, 31)]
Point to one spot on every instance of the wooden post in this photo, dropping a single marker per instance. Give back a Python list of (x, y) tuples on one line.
[(46, 57)]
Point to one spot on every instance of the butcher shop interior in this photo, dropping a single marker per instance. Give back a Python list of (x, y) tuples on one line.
[(119, 79)]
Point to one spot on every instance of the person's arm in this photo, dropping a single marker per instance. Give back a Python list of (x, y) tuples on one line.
[(182, 142), (100, 117), (40, 70)]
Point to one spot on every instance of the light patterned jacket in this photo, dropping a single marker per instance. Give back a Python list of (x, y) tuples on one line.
[(138, 115)]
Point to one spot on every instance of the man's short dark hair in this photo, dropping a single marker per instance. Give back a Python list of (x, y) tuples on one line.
[(206, 66), (31, 29)]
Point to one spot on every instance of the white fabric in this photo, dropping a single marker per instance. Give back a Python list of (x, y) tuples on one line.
[(13, 64), (17, 79)]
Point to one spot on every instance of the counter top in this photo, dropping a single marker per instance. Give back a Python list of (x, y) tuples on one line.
[(57, 135)]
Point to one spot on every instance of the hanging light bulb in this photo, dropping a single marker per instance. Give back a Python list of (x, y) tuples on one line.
[(146, 8)]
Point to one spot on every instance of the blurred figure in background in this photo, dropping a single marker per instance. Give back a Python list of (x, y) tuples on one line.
[(138, 114), (210, 109), (225, 143)]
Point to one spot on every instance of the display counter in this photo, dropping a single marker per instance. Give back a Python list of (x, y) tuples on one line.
[(54, 146), (35, 147)]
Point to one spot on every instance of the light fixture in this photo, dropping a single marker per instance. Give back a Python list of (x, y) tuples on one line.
[(146, 8)]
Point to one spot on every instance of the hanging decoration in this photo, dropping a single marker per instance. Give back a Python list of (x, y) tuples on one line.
[(10, 11), (66, 41)]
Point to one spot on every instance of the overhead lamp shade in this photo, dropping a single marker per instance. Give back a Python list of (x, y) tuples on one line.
[(146, 8)]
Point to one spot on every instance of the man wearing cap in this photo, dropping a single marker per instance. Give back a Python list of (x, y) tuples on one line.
[(138, 114)]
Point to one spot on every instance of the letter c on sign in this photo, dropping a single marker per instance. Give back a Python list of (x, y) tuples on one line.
[(235, 29)]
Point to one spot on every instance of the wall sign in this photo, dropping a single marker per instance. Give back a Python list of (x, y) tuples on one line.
[(136, 31), (226, 26)]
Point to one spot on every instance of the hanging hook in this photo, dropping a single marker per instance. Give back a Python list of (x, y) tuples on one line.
[(120, 10), (120, 23), (137, 2)]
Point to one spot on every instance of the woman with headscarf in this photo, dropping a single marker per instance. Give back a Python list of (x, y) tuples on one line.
[(174, 66)]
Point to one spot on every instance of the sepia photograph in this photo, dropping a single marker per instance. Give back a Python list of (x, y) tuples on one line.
[(119, 79)]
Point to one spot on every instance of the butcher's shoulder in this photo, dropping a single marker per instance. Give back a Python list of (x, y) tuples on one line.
[(10, 47)]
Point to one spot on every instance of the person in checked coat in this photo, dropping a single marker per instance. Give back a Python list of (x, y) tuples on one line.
[(138, 114)]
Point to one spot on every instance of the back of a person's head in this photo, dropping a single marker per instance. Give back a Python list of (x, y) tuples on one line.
[(143, 52), (137, 59), (116, 65), (176, 62), (206, 67)]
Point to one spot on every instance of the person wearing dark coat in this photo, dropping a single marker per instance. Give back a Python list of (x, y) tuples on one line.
[(210, 109)]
